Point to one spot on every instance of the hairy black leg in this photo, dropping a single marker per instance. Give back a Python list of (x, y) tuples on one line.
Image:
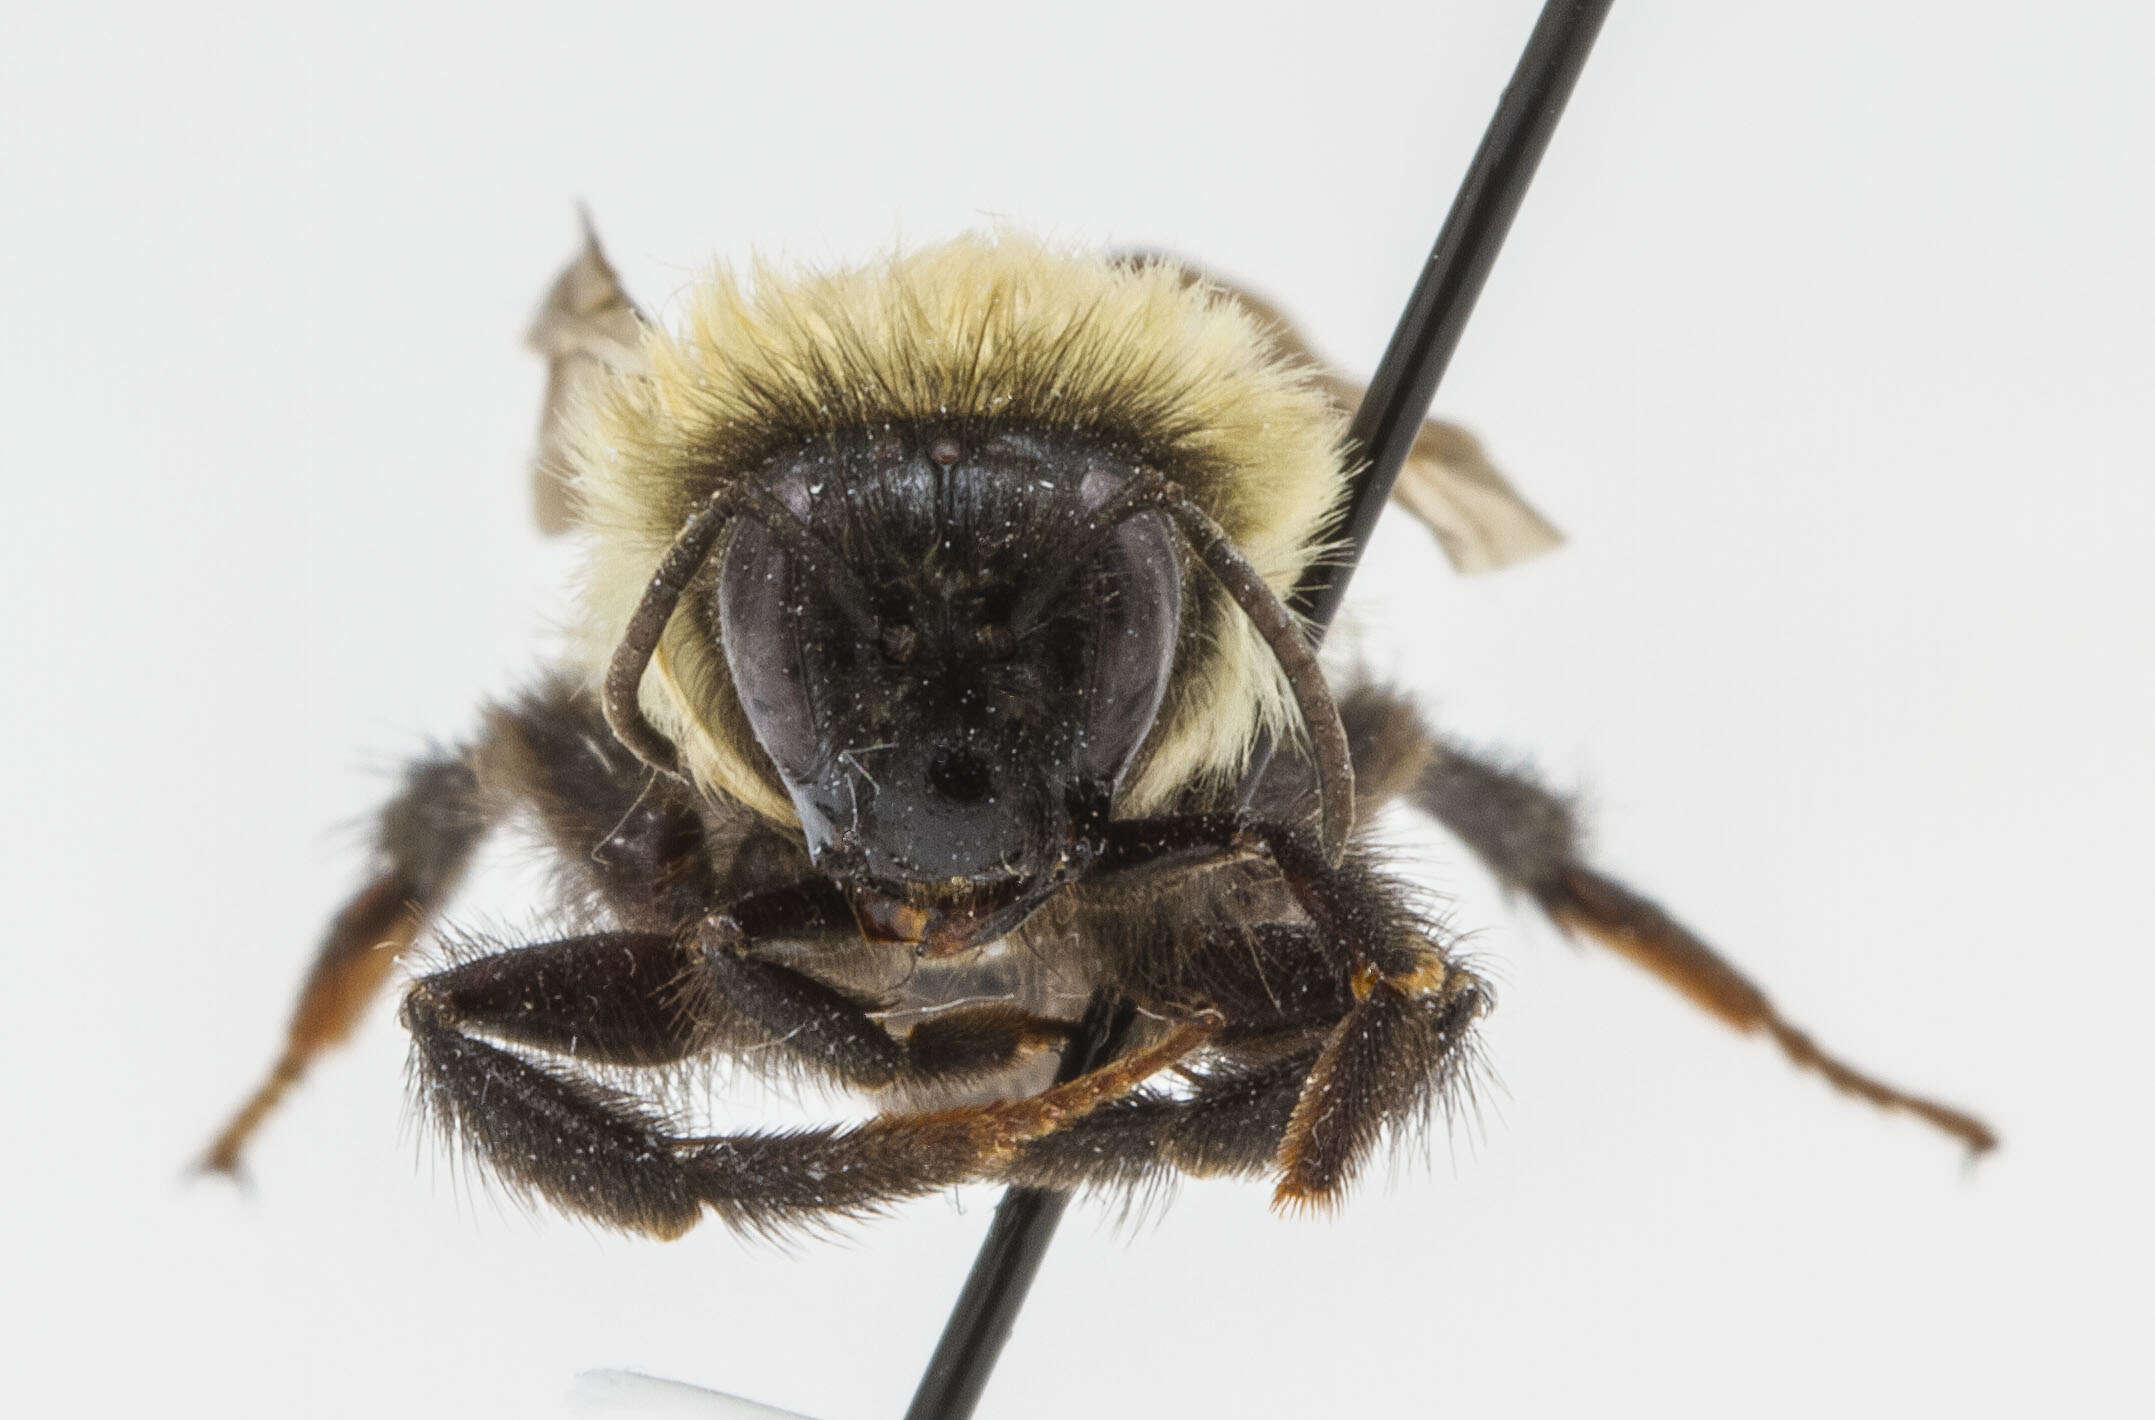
[(639, 846), (608, 998), (651, 999), (1283, 987), (1393, 1058), (598, 1152), (1270, 979), (423, 840), (1530, 839), (1307, 1081), (1401, 1039)]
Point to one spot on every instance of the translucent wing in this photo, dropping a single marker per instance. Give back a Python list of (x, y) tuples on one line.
[(1448, 482), (586, 327), (1479, 519)]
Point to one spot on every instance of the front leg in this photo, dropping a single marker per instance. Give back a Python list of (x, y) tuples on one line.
[(424, 837), (599, 1152), (653, 999), (1407, 1034)]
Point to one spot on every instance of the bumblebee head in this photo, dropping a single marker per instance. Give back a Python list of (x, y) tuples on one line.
[(951, 653), (922, 614)]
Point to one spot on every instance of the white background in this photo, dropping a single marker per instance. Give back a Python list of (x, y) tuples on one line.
[(1825, 333)]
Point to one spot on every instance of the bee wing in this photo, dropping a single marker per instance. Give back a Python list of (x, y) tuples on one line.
[(586, 328), (1448, 482)]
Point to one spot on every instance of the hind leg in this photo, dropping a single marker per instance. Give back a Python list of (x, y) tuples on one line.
[(1529, 838), (423, 840), (636, 850)]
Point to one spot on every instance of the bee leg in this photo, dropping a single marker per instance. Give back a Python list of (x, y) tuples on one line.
[(1283, 987), (1580, 899), (1227, 1120), (1404, 1027), (603, 1154), (424, 838), (652, 999), (1405, 1040), (1529, 838), (1390, 1061), (632, 846)]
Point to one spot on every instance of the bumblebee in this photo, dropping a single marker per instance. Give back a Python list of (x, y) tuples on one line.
[(933, 643)]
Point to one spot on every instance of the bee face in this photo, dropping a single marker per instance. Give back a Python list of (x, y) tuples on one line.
[(954, 668)]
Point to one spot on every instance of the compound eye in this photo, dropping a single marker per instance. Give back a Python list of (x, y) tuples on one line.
[(1140, 618), (764, 631)]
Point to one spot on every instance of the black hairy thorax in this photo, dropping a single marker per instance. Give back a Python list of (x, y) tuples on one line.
[(951, 657)]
